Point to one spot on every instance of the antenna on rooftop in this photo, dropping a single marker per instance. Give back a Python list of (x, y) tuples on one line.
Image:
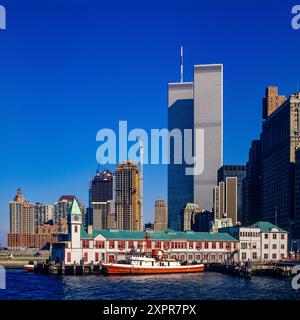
[(181, 64)]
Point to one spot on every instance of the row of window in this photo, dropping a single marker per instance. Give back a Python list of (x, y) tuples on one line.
[(121, 245), (282, 236)]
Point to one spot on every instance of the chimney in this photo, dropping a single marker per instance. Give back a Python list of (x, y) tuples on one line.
[(90, 229)]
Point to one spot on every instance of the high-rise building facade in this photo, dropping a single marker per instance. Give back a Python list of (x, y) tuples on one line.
[(21, 222), (238, 171), (297, 196), (280, 138), (251, 188), (226, 200), (195, 105), (127, 205), (43, 213), (101, 200), (62, 207), (271, 101), (161, 215)]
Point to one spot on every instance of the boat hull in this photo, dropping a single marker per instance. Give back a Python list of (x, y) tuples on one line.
[(29, 267), (119, 269)]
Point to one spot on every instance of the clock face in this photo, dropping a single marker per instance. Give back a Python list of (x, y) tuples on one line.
[(76, 218)]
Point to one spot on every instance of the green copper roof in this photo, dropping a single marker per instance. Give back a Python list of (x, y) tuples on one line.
[(266, 226), (75, 208), (157, 235)]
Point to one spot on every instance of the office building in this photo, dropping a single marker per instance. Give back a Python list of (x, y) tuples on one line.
[(195, 105), (297, 197), (127, 205), (21, 222), (280, 137), (271, 101), (238, 171), (161, 215), (251, 188)]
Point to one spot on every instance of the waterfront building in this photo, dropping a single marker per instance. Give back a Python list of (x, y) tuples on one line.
[(21, 222), (260, 241), (195, 105), (252, 186), (280, 137), (127, 206), (87, 245), (297, 197), (43, 213), (271, 101), (161, 215), (238, 171)]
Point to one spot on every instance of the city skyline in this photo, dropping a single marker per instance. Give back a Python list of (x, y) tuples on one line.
[(45, 103)]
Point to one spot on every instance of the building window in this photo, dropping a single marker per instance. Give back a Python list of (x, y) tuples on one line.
[(206, 245), (214, 245), (121, 245), (282, 236), (130, 244), (191, 244), (274, 246), (274, 256), (266, 246), (282, 256), (96, 256), (266, 256), (69, 257), (282, 246), (266, 236), (244, 255), (274, 236), (221, 245), (254, 255), (228, 245), (198, 245), (158, 245), (76, 229), (99, 244), (111, 244), (85, 244), (85, 257)]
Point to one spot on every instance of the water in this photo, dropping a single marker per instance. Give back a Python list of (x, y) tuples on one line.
[(209, 285)]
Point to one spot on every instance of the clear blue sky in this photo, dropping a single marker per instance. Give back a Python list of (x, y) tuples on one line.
[(70, 68)]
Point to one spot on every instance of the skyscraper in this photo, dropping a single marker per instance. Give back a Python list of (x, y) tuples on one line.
[(238, 171), (127, 206), (161, 215), (297, 195), (271, 101), (101, 200), (195, 105), (43, 213), (251, 187), (21, 222), (280, 137)]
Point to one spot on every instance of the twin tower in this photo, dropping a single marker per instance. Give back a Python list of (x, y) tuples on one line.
[(196, 105)]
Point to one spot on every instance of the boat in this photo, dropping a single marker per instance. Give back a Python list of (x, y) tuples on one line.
[(149, 264), (29, 266)]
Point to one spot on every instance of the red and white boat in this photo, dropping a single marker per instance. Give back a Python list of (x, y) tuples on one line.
[(139, 264), (29, 266)]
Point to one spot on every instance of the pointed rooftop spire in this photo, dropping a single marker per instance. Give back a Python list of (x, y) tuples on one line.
[(75, 210)]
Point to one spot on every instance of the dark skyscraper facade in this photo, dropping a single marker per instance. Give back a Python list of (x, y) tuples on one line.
[(101, 187), (252, 186), (280, 137), (297, 195), (238, 171)]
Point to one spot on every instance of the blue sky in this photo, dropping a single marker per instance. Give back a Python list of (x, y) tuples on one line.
[(70, 68)]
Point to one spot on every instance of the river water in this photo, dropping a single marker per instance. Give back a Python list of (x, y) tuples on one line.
[(23, 285)]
